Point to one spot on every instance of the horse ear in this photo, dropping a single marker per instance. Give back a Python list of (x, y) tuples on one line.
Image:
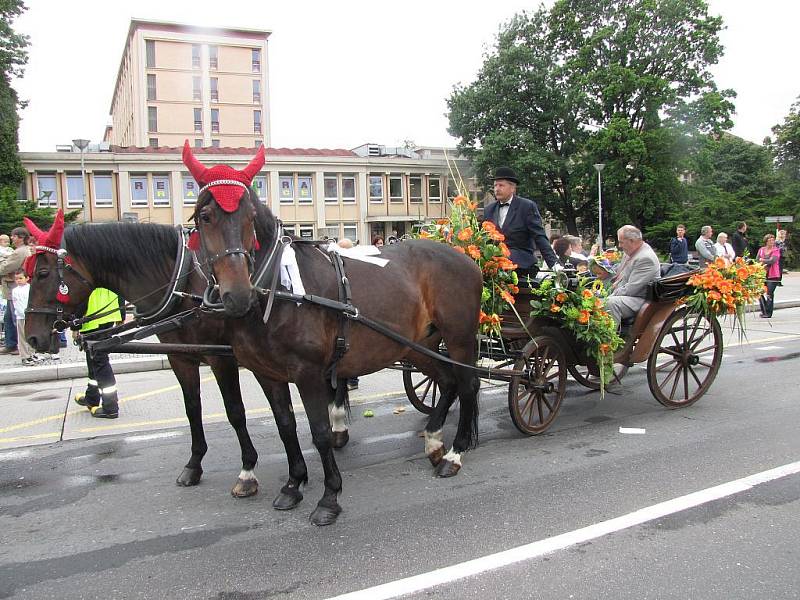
[(255, 165), (56, 231), (195, 167), (34, 230)]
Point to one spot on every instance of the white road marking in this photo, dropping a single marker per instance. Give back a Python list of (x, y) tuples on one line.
[(153, 436), (770, 348), (14, 455), (470, 568)]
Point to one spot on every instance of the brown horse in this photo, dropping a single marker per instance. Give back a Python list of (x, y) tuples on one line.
[(427, 293), (137, 261)]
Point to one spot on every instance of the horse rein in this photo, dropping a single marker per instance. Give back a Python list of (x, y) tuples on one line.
[(60, 323)]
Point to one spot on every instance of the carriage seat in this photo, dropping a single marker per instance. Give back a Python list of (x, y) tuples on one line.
[(632, 327)]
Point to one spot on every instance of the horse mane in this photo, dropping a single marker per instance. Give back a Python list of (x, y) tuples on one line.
[(109, 248)]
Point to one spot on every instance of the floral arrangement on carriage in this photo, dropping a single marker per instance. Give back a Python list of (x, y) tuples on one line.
[(485, 245), (726, 288), (581, 310)]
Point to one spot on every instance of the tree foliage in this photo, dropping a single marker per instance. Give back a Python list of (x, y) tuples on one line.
[(624, 83), (787, 143), (13, 57)]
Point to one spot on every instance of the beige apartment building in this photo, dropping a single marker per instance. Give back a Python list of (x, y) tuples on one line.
[(361, 193), (177, 82)]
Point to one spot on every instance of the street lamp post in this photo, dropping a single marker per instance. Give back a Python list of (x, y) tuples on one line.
[(599, 168), (81, 145)]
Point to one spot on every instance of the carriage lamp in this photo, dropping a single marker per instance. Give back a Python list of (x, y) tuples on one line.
[(81, 145)]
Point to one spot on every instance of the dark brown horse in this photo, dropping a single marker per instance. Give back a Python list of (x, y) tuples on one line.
[(427, 293), (137, 261)]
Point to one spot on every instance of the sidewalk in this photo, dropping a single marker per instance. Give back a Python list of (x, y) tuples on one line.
[(72, 363)]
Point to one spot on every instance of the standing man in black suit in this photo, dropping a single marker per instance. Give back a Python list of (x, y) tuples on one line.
[(518, 219)]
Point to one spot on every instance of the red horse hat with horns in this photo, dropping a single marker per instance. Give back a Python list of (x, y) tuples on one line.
[(227, 196)]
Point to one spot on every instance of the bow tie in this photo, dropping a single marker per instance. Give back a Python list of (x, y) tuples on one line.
[(505, 204)]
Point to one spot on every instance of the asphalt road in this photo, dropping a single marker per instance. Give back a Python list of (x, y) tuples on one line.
[(98, 515)]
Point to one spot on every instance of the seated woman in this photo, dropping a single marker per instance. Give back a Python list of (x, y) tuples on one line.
[(601, 268)]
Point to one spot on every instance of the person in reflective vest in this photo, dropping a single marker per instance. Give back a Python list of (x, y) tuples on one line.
[(101, 390)]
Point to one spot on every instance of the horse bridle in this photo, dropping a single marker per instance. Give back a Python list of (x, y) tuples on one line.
[(60, 323), (248, 254)]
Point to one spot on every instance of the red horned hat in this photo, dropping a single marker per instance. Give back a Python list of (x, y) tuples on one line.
[(50, 238), (226, 195)]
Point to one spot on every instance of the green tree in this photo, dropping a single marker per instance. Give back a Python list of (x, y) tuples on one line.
[(595, 81), (13, 57), (787, 143)]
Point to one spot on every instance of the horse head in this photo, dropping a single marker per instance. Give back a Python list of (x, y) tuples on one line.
[(224, 220), (58, 291)]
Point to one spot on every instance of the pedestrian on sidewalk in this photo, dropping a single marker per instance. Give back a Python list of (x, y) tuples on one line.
[(101, 389), (705, 247), (20, 295), (739, 241), (769, 255), (8, 269), (679, 246), (724, 249)]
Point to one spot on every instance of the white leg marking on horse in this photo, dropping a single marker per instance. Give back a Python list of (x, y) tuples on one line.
[(433, 441), (337, 416), (245, 475), (453, 457)]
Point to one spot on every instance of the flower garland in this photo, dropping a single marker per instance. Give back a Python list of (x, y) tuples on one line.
[(581, 311), (485, 245), (725, 289)]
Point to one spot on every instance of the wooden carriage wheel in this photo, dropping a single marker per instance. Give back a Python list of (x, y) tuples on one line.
[(422, 391), (535, 398), (585, 378), (685, 359)]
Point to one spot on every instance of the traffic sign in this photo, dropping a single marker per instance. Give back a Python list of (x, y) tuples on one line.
[(783, 219)]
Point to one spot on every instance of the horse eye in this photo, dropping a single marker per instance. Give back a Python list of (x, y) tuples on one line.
[(205, 217)]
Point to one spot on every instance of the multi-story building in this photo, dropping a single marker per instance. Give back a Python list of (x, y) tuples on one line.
[(371, 190), (177, 82)]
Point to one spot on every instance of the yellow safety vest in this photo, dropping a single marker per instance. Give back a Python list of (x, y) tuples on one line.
[(100, 301)]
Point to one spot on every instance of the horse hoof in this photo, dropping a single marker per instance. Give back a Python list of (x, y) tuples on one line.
[(288, 499), (447, 468), (436, 456), (245, 488), (189, 477), (340, 439), (325, 515)]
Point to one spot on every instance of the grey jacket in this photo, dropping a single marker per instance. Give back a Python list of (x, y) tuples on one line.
[(705, 251), (636, 273), (11, 265)]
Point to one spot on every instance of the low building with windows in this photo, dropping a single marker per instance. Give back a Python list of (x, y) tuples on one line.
[(369, 191)]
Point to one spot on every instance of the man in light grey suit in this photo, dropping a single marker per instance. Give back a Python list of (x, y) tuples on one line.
[(638, 268)]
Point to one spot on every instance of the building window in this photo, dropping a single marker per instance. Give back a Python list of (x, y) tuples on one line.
[(304, 192), (415, 189), (139, 191), (350, 231), (198, 142), (306, 232), (22, 191), (152, 118), (348, 189), (75, 190), (198, 121), (395, 188), (160, 190), (256, 90), (331, 188), (151, 86), (286, 183), (214, 89), (376, 188), (189, 190), (195, 56), (289, 229), (153, 142), (197, 88), (48, 195), (214, 120), (256, 60), (260, 184), (434, 189), (213, 57), (103, 191), (256, 121), (259, 143), (150, 54), (215, 143)]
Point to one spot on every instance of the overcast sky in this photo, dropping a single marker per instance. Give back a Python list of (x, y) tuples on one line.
[(345, 72)]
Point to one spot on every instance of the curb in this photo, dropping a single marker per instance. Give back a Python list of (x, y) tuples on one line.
[(157, 363), (78, 370)]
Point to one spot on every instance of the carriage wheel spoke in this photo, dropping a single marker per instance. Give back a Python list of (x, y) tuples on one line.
[(666, 365), (671, 352), (703, 350), (691, 370), (549, 406), (671, 373), (539, 408), (427, 380), (696, 343), (528, 408), (686, 383), (675, 383), (695, 328), (705, 364)]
